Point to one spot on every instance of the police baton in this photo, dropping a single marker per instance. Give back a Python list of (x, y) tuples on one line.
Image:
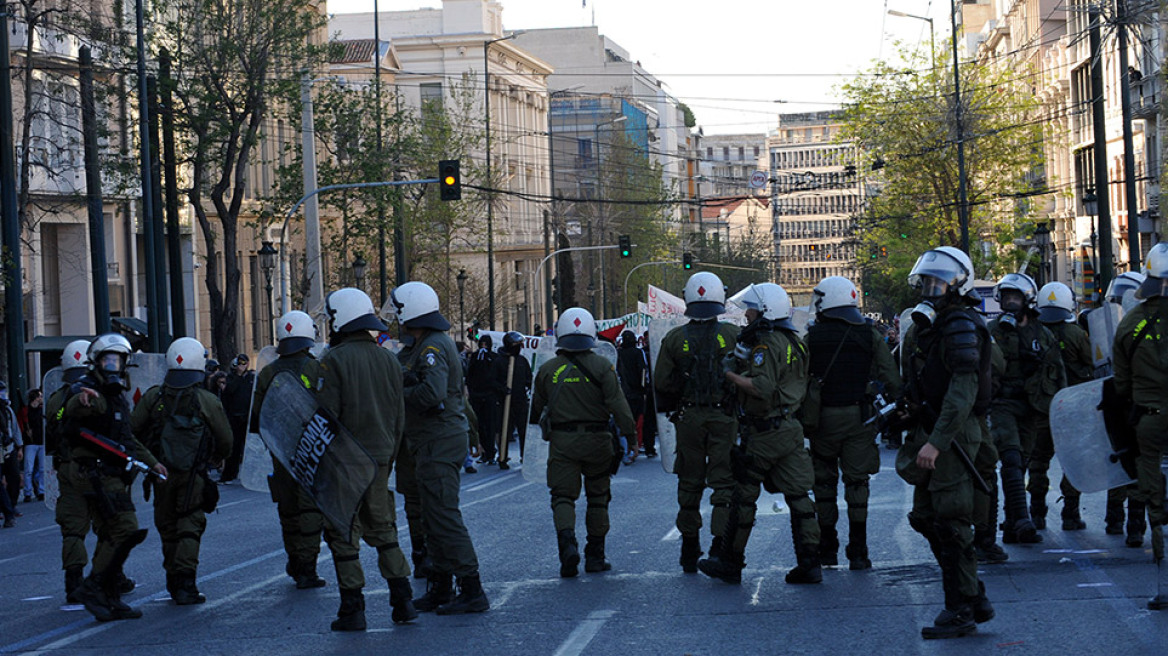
[(963, 456)]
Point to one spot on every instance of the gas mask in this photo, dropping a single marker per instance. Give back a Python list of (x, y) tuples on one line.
[(111, 368), (924, 314)]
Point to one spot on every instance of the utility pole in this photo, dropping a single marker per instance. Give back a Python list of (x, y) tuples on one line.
[(154, 317), (959, 115), (156, 210), (10, 219), (315, 295), (382, 275), (178, 322), (1129, 159), (101, 313), (1099, 121)]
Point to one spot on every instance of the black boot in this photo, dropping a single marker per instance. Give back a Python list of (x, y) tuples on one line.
[(421, 558), (1113, 520), (722, 564), (439, 590), (594, 556), (74, 576), (808, 570), (171, 583), (1071, 519), (953, 622), (1018, 527), (122, 610), (1038, 513), (471, 598), (569, 553), (186, 592), (125, 584), (857, 551), (401, 599), (351, 614), (1137, 523), (306, 577), (691, 550), (92, 594), (828, 546), (983, 610), (987, 549)]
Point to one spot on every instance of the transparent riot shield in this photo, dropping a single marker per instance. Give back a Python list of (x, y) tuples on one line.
[(146, 370), (257, 465), (52, 381), (1081, 440), (666, 432), (1101, 324)]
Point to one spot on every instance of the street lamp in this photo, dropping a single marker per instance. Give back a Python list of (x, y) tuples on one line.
[(932, 43), (268, 264), (490, 196), (1042, 241), (359, 265), (1091, 206), (461, 278)]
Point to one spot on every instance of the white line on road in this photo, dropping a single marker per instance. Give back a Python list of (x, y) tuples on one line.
[(495, 496), (40, 530), (583, 634), (486, 484), (757, 590)]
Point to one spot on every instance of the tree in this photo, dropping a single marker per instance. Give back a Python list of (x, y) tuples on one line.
[(237, 64), (903, 123)]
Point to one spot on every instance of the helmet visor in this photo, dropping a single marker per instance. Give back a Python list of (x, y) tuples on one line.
[(939, 265)]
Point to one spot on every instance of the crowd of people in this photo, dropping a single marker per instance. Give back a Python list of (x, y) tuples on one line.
[(767, 405)]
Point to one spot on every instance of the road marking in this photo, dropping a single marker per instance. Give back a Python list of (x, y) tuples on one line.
[(1102, 584), (496, 496), (35, 598), (8, 560), (583, 634), (233, 503), (757, 590), (485, 484), (39, 530), (673, 534)]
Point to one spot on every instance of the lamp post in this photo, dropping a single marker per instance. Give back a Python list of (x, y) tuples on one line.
[(490, 196), (932, 42), (268, 264), (359, 265), (1091, 206), (461, 278), (1042, 241)]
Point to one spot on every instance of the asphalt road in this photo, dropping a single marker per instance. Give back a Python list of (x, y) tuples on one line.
[(1078, 593)]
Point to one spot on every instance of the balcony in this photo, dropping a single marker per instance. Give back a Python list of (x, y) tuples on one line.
[(1145, 98)]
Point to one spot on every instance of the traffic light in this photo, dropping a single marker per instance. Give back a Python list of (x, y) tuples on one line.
[(449, 180), (626, 246), (687, 261), (875, 253), (883, 251)]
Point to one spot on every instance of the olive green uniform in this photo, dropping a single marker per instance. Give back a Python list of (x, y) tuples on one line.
[(579, 397), (1139, 356), (771, 453), (953, 350), (71, 513), (436, 436), (361, 384), (301, 522), (95, 486), (1075, 346), (178, 512), (1032, 375), (840, 441), (688, 380)]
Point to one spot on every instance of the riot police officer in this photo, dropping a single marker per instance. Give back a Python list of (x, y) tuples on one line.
[(1117, 292), (480, 387), (187, 427), (845, 353), (436, 435), (690, 389), (300, 521), (98, 407), (1056, 311), (361, 383), (1033, 374), (946, 369), (71, 512), (511, 376), (1138, 355), (579, 390), (769, 371)]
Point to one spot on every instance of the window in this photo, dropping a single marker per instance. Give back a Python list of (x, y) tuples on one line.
[(756, 152), (726, 152), (431, 95), (709, 152), (741, 153)]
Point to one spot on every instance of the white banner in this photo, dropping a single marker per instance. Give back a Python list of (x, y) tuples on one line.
[(663, 304)]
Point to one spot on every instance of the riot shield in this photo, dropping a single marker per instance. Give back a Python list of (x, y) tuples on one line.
[(801, 318), (1160, 601), (1081, 439), (328, 462), (53, 380), (256, 465), (146, 370), (666, 431), (1101, 324), (535, 448)]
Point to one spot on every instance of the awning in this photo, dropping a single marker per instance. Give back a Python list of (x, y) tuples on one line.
[(46, 343), (131, 326)]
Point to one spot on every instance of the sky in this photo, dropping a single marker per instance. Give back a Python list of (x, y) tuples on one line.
[(730, 60)]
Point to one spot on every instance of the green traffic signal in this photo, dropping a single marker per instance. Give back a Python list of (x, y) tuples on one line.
[(687, 261), (626, 246)]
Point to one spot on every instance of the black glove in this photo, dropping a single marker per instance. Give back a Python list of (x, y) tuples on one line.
[(411, 378)]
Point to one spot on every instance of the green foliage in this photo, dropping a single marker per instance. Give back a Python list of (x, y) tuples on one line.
[(690, 119), (904, 123)]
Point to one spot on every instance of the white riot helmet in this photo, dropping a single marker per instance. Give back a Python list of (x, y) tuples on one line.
[(836, 298), (108, 355), (295, 332), (1056, 303), (186, 362), (1156, 270), (770, 300), (350, 310), (74, 360), (942, 270), (575, 330), (705, 296), (1122, 284), (416, 306), (1019, 282)]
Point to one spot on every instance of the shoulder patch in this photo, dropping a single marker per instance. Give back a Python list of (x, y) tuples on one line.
[(431, 359), (759, 356)]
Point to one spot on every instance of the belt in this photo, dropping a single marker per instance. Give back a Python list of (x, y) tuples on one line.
[(1145, 410), (690, 404), (762, 424), (580, 428)]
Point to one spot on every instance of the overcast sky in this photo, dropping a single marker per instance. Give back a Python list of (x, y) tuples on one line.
[(729, 60)]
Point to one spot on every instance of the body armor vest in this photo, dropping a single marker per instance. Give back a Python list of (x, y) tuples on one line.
[(841, 357)]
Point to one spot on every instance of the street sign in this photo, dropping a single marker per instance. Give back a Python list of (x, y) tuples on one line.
[(758, 179)]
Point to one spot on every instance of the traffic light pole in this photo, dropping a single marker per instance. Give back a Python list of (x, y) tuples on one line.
[(284, 301), (539, 269), (625, 295)]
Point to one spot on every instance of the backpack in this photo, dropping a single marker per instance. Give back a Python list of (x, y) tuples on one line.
[(183, 432)]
